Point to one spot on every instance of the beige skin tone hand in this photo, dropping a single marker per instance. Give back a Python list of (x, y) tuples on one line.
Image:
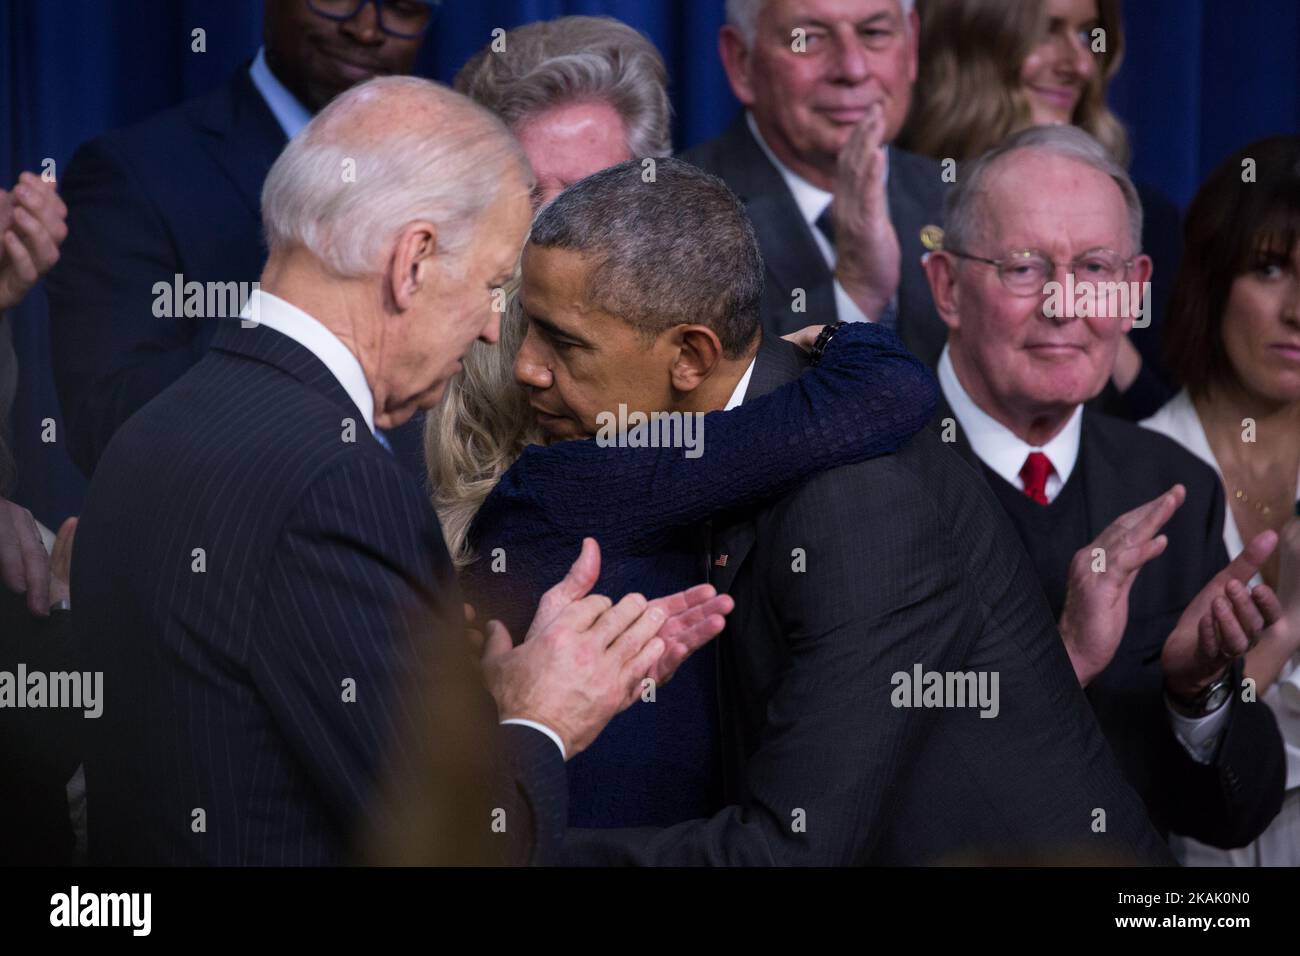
[(806, 337), (868, 257), (1280, 642), (24, 565), (1221, 623), (584, 658), (61, 563), (25, 568), (1096, 603), (32, 226)]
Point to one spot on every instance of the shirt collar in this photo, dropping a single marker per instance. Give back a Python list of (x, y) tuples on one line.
[(288, 112), (738, 393), (291, 321), (811, 200), (998, 446)]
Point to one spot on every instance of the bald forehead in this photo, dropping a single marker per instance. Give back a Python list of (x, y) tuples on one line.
[(1035, 191), (373, 113)]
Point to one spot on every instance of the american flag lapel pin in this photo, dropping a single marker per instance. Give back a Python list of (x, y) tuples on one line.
[(721, 561)]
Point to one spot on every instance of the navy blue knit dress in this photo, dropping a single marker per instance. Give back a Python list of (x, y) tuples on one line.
[(657, 763)]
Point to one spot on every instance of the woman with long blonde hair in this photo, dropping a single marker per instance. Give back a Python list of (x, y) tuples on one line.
[(991, 67)]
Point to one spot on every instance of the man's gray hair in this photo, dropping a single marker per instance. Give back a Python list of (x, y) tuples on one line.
[(348, 183), (963, 215), (678, 249), (572, 59), (743, 15)]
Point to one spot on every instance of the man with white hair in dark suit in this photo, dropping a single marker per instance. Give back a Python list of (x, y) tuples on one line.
[(267, 590)]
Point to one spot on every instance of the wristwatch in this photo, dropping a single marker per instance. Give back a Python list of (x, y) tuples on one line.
[(823, 339), (1207, 701)]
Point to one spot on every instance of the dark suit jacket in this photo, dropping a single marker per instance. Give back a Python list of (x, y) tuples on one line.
[(179, 193), (790, 252), (1230, 801), (225, 682), (39, 748), (907, 562)]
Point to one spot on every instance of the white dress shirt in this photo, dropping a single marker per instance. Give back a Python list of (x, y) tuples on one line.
[(1005, 453), (738, 393), (291, 321), (1002, 449), (812, 202)]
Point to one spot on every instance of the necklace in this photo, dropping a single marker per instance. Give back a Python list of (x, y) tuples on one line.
[(1231, 467)]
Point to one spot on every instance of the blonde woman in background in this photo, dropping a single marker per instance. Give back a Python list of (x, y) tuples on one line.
[(989, 68), (580, 94)]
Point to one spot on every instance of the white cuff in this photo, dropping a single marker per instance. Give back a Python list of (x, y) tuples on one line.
[(543, 728), (1199, 735), (845, 308)]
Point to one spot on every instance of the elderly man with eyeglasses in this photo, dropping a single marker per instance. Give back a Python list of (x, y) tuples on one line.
[(1096, 500), (178, 195)]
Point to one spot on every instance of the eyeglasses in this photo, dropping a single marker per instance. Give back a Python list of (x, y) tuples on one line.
[(407, 19), (1026, 271)]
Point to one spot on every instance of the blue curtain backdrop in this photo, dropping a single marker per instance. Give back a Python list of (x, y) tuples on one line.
[(1201, 78)]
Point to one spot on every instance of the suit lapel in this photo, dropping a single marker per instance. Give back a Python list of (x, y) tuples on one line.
[(907, 215), (730, 547), (960, 443), (790, 252), (778, 362), (243, 136), (1102, 477)]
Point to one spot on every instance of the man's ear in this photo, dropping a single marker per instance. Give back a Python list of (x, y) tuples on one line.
[(736, 60), (1142, 269), (412, 262), (941, 271), (699, 350)]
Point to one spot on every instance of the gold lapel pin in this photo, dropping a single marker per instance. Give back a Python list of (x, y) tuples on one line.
[(932, 238)]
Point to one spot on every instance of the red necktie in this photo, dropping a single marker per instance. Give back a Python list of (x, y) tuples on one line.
[(1034, 476)]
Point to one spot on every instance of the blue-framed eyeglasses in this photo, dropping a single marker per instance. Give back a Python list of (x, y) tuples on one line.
[(407, 19)]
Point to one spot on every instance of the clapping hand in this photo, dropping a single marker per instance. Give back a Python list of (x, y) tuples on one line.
[(584, 657), (32, 226), (1096, 601), (25, 568), (1221, 623), (868, 258)]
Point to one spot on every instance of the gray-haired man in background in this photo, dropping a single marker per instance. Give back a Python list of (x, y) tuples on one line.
[(826, 85)]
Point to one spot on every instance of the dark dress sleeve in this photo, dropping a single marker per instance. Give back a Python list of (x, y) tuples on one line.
[(868, 396)]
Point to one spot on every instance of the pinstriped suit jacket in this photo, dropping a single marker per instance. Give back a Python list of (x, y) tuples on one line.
[(258, 589)]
